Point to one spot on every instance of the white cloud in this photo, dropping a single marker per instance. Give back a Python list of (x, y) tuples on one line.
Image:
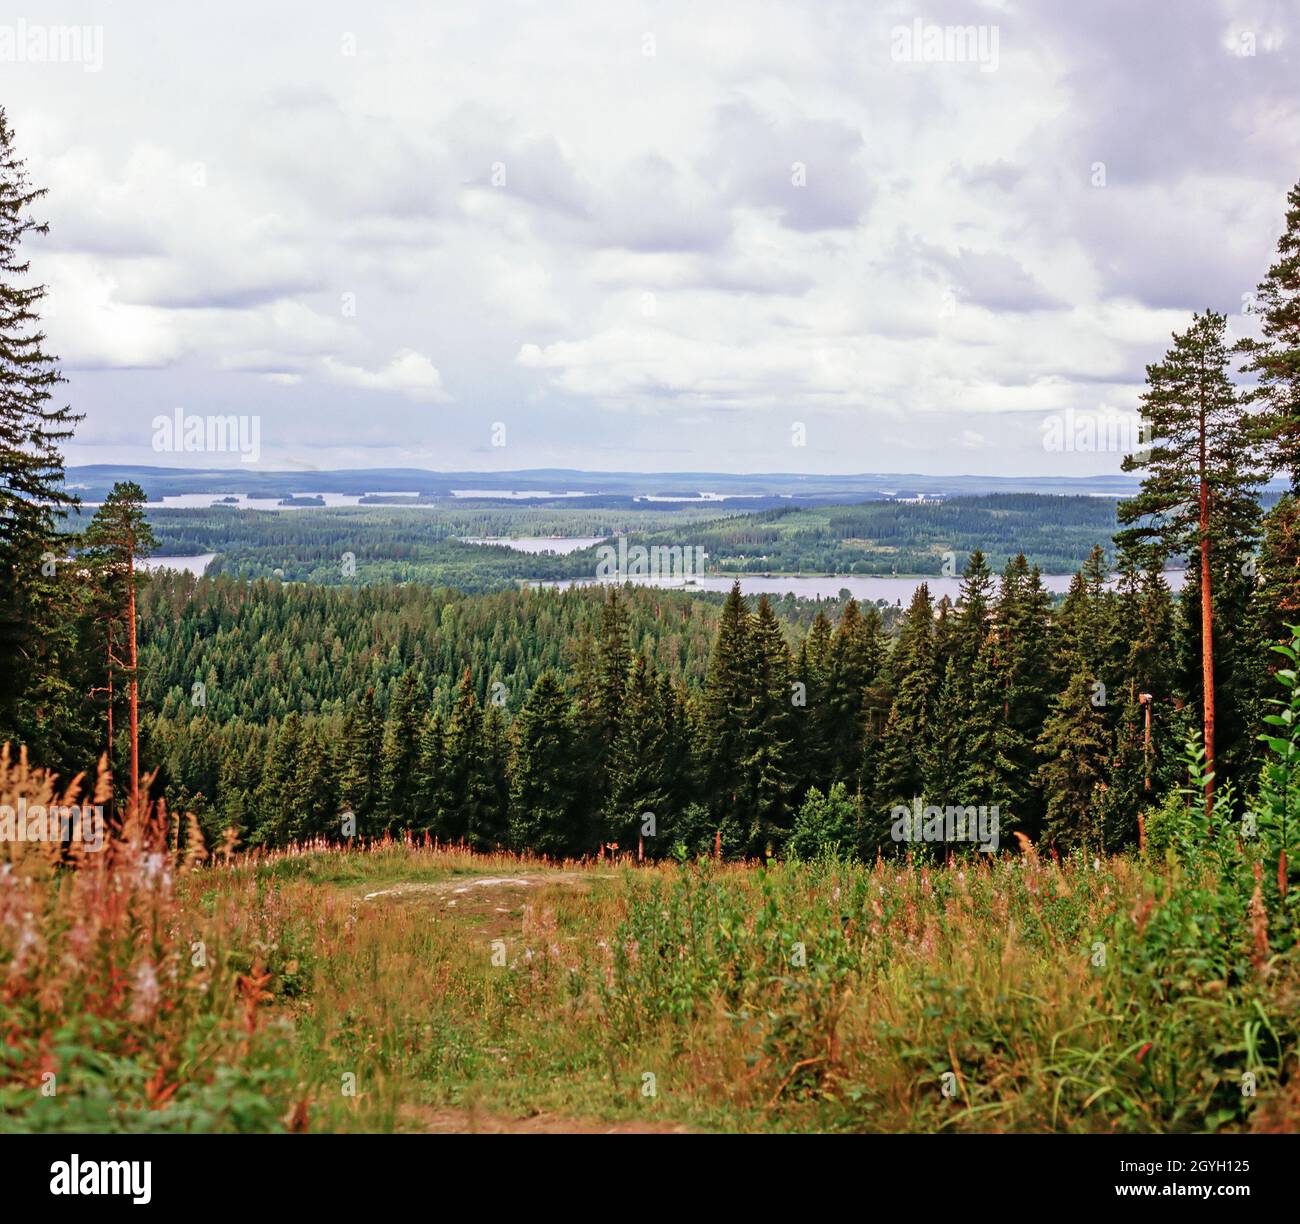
[(410, 373), (90, 327)]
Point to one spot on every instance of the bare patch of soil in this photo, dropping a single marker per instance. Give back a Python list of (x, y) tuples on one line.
[(445, 1121), (497, 903)]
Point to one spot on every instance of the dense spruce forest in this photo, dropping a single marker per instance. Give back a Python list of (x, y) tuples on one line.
[(553, 721)]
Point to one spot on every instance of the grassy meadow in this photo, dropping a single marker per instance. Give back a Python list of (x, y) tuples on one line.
[(412, 988)]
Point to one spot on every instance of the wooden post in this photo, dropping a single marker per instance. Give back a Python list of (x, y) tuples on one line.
[(1145, 700)]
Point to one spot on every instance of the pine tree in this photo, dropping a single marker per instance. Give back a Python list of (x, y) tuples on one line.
[(1240, 666), (1274, 358), (1199, 476), (117, 538)]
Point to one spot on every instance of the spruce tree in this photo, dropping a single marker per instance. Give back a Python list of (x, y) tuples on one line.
[(724, 709), (678, 779), (942, 763), (601, 674), (36, 654), (278, 792), (768, 735), (945, 637), (1147, 737), (855, 657), (993, 756), (490, 824), (1024, 645), (1278, 604), (636, 781), (814, 717), (908, 732), (615, 659), (974, 613), (545, 809), (1074, 746), (429, 771), (463, 770), (400, 755), (312, 810), (359, 761)]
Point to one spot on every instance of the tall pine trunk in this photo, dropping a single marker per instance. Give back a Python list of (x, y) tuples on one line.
[(1207, 622), (135, 712), (109, 753)]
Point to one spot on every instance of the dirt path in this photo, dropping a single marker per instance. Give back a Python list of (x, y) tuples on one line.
[(495, 905), (462, 886), (471, 1122)]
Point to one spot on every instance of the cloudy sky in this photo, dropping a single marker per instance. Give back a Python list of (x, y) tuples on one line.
[(645, 236)]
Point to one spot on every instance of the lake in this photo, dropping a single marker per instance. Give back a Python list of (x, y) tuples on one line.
[(862, 587), (535, 545), (195, 564)]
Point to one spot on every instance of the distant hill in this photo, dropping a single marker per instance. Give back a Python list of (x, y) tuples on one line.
[(541, 486)]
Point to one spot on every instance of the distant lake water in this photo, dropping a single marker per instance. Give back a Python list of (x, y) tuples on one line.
[(559, 545), (242, 501), (513, 494), (861, 587), (195, 564)]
